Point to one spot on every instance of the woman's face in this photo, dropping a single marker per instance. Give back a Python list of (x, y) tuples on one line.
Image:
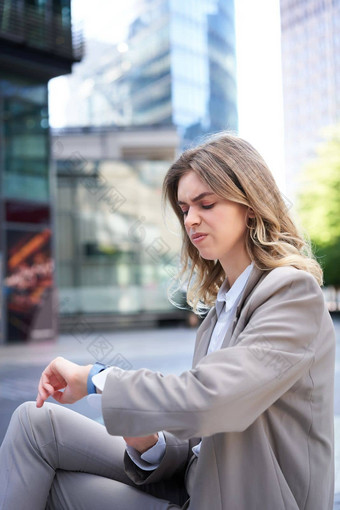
[(215, 226)]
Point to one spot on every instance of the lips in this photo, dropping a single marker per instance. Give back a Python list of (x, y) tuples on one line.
[(198, 236)]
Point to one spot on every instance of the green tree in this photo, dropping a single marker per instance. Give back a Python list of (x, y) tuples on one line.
[(319, 205)]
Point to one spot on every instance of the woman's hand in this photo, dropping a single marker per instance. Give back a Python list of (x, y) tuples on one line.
[(62, 374), (142, 444)]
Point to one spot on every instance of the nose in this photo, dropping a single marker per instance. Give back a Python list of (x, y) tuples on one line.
[(192, 218)]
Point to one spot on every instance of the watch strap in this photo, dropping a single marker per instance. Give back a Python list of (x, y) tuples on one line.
[(96, 368)]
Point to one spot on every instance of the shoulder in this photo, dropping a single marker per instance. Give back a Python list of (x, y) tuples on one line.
[(290, 276), (287, 282), (289, 299)]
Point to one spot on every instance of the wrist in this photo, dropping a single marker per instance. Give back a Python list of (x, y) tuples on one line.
[(142, 444), (150, 444)]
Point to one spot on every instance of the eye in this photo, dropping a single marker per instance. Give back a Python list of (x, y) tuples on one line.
[(210, 206), (184, 212)]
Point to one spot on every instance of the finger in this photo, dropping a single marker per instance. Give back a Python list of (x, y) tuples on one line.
[(49, 388), (52, 384), (40, 385), (39, 401), (48, 383), (59, 397), (45, 378), (43, 392), (50, 374)]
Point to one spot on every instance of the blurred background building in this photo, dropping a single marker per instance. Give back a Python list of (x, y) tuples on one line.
[(129, 108), (132, 106), (115, 253), (176, 66), (310, 32), (36, 44)]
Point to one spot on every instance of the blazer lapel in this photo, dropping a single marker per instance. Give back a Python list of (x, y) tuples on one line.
[(203, 336), (253, 280), (256, 276), (205, 331)]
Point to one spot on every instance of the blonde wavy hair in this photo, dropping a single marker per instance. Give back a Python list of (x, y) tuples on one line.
[(234, 170)]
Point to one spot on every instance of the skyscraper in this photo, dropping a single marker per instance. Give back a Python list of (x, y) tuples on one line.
[(35, 45), (176, 66), (311, 78)]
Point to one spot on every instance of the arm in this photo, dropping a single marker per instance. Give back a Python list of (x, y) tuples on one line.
[(75, 380), (62, 374), (149, 458), (231, 387), (95, 384)]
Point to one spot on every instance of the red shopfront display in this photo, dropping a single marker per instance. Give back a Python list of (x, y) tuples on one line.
[(29, 285)]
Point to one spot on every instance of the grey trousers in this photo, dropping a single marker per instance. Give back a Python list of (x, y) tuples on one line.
[(54, 458)]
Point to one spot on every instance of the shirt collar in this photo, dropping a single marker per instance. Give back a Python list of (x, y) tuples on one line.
[(232, 295)]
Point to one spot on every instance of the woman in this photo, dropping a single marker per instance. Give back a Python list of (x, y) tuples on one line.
[(250, 426)]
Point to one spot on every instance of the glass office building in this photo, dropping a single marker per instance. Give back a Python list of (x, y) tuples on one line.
[(176, 66), (310, 35), (35, 45), (114, 255), (203, 67), (116, 252)]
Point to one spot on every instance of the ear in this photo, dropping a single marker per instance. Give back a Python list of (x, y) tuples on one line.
[(251, 213)]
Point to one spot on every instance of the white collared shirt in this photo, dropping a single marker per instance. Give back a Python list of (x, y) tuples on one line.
[(226, 304)]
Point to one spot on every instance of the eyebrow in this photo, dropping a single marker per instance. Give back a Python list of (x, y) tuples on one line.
[(199, 197)]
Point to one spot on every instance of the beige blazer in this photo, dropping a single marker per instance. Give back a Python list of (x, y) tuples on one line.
[(263, 404)]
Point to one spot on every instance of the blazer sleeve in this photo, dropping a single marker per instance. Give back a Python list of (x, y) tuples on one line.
[(229, 388), (173, 463)]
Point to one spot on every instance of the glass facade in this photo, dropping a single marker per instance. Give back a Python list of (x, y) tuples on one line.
[(203, 67), (114, 253), (25, 139), (38, 24), (310, 42), (177, 66), (35, 45), (26, 213)]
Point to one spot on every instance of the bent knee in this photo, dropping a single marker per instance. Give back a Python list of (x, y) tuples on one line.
[(32, 419), (22, 412), (20, 422)]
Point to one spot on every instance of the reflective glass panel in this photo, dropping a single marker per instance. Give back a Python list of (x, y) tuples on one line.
[(25, 140), (114, 251)]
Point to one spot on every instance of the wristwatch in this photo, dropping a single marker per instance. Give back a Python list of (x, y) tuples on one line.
[(97, 367)]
